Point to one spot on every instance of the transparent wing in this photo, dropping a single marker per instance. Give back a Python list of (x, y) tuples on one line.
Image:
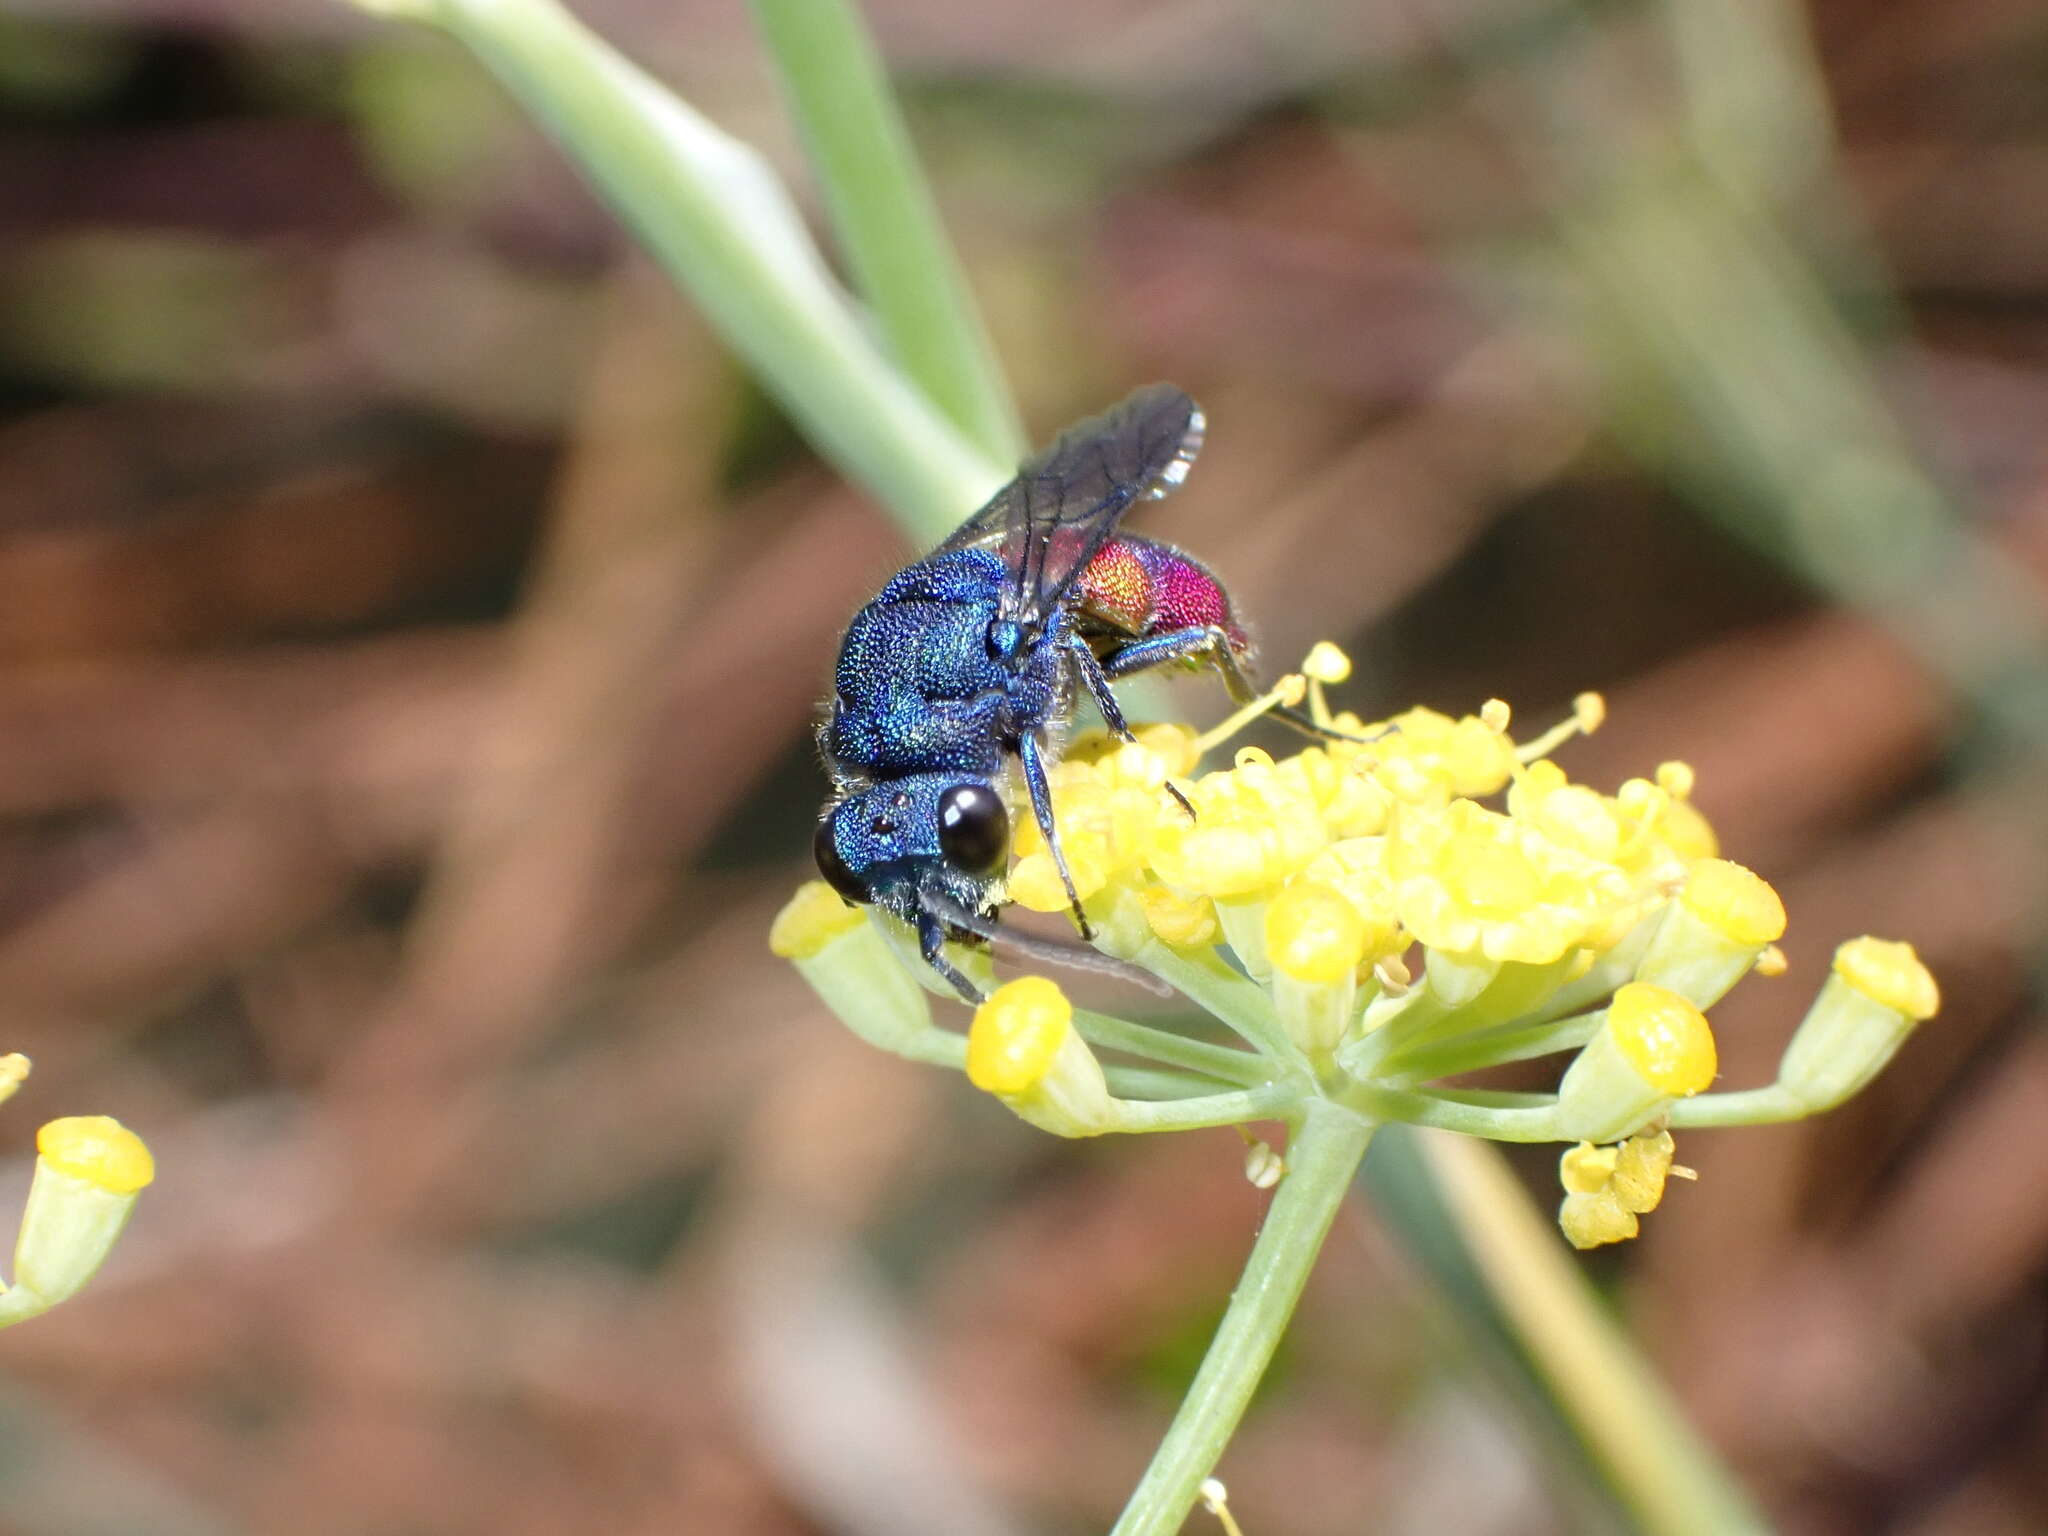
[(1067, 499)]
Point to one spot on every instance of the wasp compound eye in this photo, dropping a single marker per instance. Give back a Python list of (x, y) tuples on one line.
[(833, 867), (974, 829)]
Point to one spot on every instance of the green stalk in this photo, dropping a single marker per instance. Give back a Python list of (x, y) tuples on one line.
[(1322, 1157), (1218, 1061), (1240, 1106), (1488, 1048), (883, 213), (717, 219)]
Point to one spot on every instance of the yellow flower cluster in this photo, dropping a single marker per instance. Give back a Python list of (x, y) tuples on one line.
[(1371, 929), (1390, 827)]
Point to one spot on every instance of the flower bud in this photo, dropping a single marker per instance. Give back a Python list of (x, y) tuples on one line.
[(853, 967), (1179, 922), (1877, 992), (89, 1171), (1314, 941), (1024, 1049), (1721, 923), (1652, 1047)]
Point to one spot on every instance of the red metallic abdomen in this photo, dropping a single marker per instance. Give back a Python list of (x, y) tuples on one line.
[(1140, 588)]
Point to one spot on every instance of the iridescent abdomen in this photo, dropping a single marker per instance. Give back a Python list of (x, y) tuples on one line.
[(1138, 588)]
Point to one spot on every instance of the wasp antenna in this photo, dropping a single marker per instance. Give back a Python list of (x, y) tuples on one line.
[(1075, 957)]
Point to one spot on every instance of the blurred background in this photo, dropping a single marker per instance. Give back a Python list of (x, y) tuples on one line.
[(411, 623)]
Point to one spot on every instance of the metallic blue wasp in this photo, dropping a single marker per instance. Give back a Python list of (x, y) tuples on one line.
[(970, 658)]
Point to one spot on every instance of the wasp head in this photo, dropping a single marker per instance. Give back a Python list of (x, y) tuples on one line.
[(900, 843)]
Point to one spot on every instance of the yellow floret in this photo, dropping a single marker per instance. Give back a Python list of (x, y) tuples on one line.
[(1017, 1034), (99, 1150), (809, 920), (1325, 663), (1589, 1221), (1472, 882), (1664, 1037), (1890, 973), (1430, 758), (1181, 922), (1734, 901), (13, 1073), (1641, 1166), (1586, 1169), (1313, 933), (1571, 814)]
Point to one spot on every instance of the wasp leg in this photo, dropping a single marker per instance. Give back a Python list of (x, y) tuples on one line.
[(1209, 643), (1032, 755), (931, 943), (1112, 713)]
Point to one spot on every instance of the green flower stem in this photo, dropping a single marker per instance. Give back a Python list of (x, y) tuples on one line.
[(1428, 1020), (884, 215), (712, 212), (1671, 1481), (1274, 1101), (1751, 1106), (1496, 1122), (1218, 1061), (1224, 994), (1488, 1047), (1322, 1158), (1151, 1084)]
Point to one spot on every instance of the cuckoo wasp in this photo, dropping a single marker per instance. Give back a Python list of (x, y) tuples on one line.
[(972, 657)]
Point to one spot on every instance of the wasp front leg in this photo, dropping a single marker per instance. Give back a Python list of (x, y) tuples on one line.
[(931, 943), (1031, 753)]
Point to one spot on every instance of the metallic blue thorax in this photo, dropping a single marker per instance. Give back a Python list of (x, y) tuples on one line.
[(923, 683)]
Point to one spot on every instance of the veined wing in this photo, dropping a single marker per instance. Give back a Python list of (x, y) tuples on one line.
[(1068, 498)]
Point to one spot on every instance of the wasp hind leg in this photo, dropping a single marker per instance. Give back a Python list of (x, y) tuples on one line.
[(1097, 684), (1032, 755), (1208, 643)]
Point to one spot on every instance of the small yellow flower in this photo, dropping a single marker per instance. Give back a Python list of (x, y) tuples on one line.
[(1651, 1048), (1024, 1049), (1314, 933), (1474, 882), (1607, 1188), (1253, 828), (810, 920), (1431, 758), (1738, 903), (89, 1171), (98, 1149), (1664, 1037), (1325, 663), (1180, 922), (1891, 974), (1590, 1221), (1569, 814), (1017, 1035), (1875, 994)]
